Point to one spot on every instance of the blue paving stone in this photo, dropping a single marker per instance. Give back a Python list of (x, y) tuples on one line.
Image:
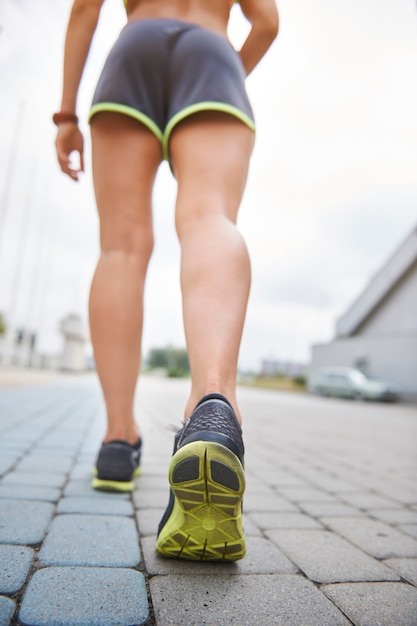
[(27, 492), (7, 608), (24, 521), (96, 506), (15, 562), (109, 541), (7, 460), (78, 596), (83, 488), (45, 463), (40, 479)]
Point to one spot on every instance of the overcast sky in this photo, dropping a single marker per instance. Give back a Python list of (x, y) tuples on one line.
[(332, 190)]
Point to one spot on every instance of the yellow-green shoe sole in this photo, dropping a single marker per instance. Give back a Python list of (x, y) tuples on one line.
[(208, 483), (114, 485)]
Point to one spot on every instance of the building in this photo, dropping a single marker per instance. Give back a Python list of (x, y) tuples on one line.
[(378, 333)]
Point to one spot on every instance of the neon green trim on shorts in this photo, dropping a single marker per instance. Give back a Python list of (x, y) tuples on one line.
[(131, 112), (203, 106)]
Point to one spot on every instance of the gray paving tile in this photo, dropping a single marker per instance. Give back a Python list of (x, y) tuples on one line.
[(15, 562), (219, 600), (7, 460), (262, 557), (283, 520), (395, 516), (147, 499), (249, 527), (369, 500), (148, 521), (95, 506), (280, 478), (29, 492), (254, 502), (324, 557), (410, 529), (374, 537), (309, 494), (44, 463), (407, 568), (39, 479), (7, 608), (78, 596), (94, 540), (374, 604), (319, 509), (83, 488), (24, 521)]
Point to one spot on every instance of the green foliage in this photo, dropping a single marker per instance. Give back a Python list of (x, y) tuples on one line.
[(173, 360), (2, 325)]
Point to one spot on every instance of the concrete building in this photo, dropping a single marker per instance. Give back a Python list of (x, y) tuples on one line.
[(378, 333)]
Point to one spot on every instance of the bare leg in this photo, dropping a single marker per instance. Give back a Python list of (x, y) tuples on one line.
[(125, 160), (210, 153)]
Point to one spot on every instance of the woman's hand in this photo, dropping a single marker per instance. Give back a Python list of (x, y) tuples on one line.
[(69, 139)]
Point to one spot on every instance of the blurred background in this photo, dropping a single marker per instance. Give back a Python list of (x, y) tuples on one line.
[(329, 214)]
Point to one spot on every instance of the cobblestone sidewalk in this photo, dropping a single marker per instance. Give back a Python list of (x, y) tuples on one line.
[(330, 515)]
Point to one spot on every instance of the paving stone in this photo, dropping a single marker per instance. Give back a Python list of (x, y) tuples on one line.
[(324, 557), (219, 600), (147, 499), (28, 492), (39, 479), (407, 568), (319, 509), (249, 527), (410, 529), (79, 596), (109, 541), (374, 537), (83, 488), (369, 500), (7, 608), (15, 562), (374, 604), (330, 484), (253, 502), (262, 557), (281, 478), (283, 520), (148, 521), (7, 460), (395, 516), (95, 506), (310, 494), (24, 521)]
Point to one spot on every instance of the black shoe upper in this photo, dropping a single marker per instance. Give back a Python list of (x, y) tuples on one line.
[(117, 460), (214, 420)]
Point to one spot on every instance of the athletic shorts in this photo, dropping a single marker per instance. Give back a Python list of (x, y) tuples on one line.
[(160, 71)]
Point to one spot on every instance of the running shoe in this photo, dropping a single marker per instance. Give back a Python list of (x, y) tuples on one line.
[(203, 520), (117, 466)]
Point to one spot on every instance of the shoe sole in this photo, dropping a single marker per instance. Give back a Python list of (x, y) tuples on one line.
[(205, 524), (114, 485)]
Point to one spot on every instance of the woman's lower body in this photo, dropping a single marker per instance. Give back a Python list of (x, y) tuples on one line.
[(208, 137)]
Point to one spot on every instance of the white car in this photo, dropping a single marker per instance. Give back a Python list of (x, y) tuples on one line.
[(343, 382)]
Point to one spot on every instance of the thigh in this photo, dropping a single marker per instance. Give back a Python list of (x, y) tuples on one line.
[(126, 156), (210, 153)]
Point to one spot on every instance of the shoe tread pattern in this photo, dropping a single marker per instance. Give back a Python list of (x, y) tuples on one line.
[(206, 520)]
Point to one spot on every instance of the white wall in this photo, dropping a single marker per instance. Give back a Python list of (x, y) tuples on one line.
[(390, 358)]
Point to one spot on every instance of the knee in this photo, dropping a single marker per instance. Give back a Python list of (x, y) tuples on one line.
[(129, 237)]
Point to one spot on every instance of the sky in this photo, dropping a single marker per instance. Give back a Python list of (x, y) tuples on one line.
[(331, 194)]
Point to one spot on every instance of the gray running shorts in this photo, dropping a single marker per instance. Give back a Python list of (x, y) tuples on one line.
[(160, 71)]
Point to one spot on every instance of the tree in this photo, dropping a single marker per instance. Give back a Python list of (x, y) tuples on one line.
[(3, 326), (173, 360)]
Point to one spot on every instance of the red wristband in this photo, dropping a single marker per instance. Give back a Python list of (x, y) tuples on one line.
[(64, 116)]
